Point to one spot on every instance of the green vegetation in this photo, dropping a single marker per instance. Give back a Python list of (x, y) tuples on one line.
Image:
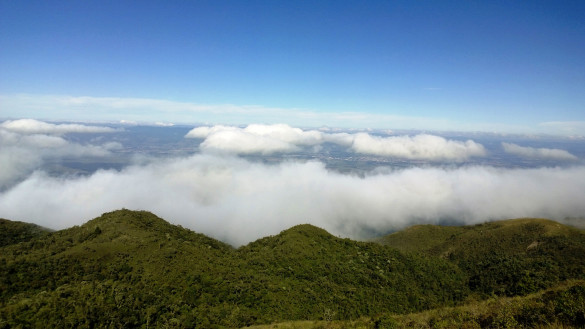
[(505, 258), (561, 307), (132, 269), (12, 232)]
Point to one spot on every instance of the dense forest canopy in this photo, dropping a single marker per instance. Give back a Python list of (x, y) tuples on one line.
[(133, 269)]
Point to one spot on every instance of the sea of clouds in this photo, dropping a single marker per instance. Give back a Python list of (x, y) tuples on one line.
[(217, 192)]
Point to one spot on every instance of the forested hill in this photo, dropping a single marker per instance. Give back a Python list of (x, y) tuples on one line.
[(508, 257), (12, 232), (133, 269), (506, 235)]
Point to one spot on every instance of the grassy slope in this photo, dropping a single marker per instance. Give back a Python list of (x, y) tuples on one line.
[(420, 238)]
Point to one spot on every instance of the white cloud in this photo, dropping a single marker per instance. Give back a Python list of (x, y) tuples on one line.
[(16, 164), (30, 126), (286, 133), (268, 139), (204, 132), (540, 153), (239, 201), (164, 124), (128, 123), (343, 139), (242, 142), (281, 132), (255, 138), (417, 147), (26, 144)]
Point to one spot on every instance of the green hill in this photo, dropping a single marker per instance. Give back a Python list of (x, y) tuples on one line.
[(560, 307), (317, 274), (12, 232), (434, 239), (133, 269), (510, 257)]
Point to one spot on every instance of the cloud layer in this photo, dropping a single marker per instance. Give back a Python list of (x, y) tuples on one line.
[(267, 139), (31, 126), (238, 201), (538, 153)]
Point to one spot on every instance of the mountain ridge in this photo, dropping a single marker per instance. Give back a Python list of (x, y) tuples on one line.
[(139, 269)]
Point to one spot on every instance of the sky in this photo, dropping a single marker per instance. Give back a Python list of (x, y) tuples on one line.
[(265, 95), (514, 67)]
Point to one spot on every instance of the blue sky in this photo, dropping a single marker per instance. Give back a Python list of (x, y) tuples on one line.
[(446, 65)]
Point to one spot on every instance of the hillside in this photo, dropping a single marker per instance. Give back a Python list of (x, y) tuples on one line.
[(123, 265), (435, 239), (321, 274), (133, 269), (509, 257), (12, 232), (560, 307)]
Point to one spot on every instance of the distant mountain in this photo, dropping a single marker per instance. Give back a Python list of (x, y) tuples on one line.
[(132, 269)]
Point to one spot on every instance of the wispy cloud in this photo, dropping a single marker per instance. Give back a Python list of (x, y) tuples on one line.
[(540, 153), (565, 127), (31, 126), (146, 110)]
